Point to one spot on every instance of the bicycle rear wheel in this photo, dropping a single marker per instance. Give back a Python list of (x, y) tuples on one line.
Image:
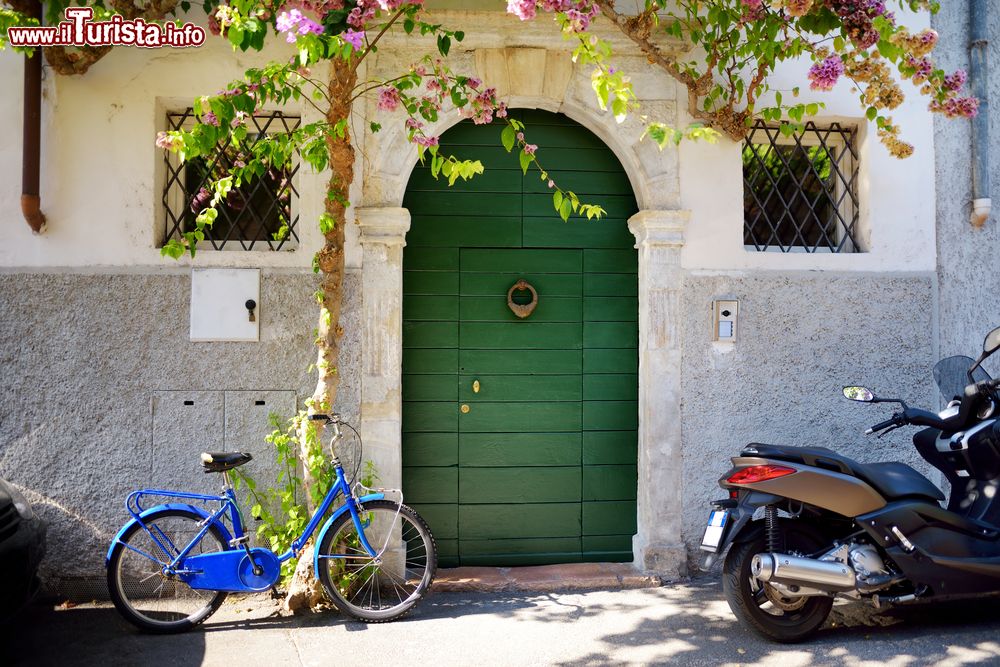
[(146, 597), (384, 587)]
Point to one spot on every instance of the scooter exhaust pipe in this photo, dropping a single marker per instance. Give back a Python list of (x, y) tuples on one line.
[(809, 572)]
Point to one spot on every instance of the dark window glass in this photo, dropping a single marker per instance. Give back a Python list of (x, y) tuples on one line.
[(800, 191), (257, 215)]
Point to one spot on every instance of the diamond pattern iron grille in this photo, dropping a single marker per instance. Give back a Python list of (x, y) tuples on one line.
[(800, 192), (252, 215)]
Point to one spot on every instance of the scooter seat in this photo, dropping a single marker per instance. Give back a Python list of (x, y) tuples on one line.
[(893, 479), (898, 480)]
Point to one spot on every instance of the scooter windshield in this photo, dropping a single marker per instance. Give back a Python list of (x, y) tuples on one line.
[(952, 375)]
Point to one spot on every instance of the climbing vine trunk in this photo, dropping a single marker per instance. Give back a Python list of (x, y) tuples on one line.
[(305, 592)]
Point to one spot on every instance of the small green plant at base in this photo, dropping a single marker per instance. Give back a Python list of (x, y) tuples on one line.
[(282, 510)]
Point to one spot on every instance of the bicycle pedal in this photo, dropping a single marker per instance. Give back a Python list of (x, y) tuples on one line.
[(237, 541)]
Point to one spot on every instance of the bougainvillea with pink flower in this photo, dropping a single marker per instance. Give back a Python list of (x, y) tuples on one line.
[(861, 43)]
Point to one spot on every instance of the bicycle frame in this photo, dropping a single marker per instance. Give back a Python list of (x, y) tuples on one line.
[(228, 505)]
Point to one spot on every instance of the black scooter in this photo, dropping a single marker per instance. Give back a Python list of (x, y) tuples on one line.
[(830, 526)]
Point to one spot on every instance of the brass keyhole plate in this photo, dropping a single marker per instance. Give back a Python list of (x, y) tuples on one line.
[(475, 387)]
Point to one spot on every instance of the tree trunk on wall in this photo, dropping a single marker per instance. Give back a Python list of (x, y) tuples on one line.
[(305, 592)]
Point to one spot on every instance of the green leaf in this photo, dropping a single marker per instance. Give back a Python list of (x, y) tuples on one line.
[(871, 113), (508, 137), (444, 44), (565, 209), (525, 161), (557, 199)]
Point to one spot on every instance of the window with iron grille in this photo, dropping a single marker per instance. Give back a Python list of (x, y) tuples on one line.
[(800, 192), (259, 215)]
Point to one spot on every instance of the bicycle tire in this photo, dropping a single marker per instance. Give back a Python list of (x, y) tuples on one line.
[(144, 596), (356, 583)]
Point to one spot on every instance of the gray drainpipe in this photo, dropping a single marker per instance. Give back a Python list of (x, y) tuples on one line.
[(979, 75)]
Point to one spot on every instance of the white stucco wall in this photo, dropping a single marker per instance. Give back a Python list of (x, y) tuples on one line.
[(100, 180), (896, 196)]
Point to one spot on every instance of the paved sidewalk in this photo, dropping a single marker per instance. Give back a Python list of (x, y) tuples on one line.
[(685, 624)]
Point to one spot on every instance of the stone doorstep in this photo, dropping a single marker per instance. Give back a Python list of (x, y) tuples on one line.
[(570, 576)]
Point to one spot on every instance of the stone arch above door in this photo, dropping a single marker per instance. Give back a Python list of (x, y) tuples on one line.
[(534, 78)]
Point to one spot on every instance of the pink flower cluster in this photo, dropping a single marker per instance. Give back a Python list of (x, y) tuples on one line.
[(753, 10), (824, 75), (957, 107), (168, 141), (294, 23), (956, 80), (579, 12), (388, 99), (858, 17), (922, 68), (483, 107)]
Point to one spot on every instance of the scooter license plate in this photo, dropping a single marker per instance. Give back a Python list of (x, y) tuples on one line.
[(714, 530)]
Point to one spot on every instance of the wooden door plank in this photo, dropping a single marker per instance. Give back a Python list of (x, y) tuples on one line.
[(491, 450), (430, 259), (468, 230), (552, 232), (610, 361), (430, 308), (431, 485), (538, 362), (529, 261), (519, 520), (430, 449), (610, 261), (608, 334), (610, 415), (417, 334), (497, 284), (430, 388), (520, 485), (495, 309), (611, 386), (442, 518), (527, 335), (607, 482), (499, 417), (607, 548), (611, 309), (610, 284), (430, 282), (515, 552), (610, 447), (613, 517), (429, 416), (520, 388), (430, 361)]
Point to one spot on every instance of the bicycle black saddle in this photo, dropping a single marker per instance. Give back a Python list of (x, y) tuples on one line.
[(222, 461)]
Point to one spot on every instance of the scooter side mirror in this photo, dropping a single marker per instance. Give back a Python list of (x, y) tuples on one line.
[(992, 342), (860, 394)]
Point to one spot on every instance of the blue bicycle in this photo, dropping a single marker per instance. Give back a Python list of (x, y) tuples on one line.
[(172, 565)]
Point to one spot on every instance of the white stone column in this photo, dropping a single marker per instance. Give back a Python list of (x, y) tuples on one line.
[(383, 235), (658, 545)]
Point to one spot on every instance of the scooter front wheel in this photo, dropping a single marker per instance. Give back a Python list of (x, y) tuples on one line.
[(763, 608)]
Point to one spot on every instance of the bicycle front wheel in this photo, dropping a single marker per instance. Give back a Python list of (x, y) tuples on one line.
[(142, 593), (385, 586)]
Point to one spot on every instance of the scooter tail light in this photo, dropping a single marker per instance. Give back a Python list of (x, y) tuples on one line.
[(760, 473)]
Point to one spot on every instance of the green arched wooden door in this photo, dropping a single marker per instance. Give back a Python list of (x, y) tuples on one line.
[(519, 435)]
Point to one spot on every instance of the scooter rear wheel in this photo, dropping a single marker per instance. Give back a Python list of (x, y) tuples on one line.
[(761, 607)]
